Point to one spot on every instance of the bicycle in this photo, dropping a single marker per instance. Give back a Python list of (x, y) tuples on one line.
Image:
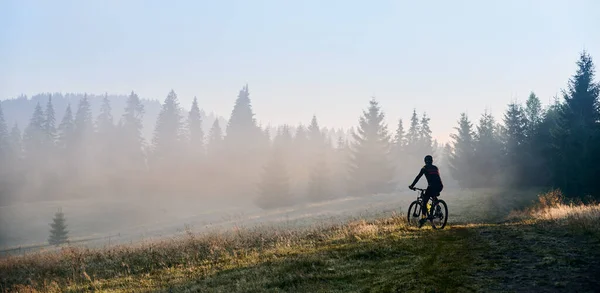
[(438, 209)]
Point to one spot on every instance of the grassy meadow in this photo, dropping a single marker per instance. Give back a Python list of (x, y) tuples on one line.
[(492, 244)]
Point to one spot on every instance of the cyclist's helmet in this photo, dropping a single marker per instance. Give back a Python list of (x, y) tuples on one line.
[(428, 159)]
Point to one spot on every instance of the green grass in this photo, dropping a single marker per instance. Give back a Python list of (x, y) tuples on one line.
[(531, 253)]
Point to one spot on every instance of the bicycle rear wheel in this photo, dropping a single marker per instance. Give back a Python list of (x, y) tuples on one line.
[(440, 215), (414, 213)]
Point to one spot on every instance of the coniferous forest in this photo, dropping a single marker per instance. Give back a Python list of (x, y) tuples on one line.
[(80, 154)]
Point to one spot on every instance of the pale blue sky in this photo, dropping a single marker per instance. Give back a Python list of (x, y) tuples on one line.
[(301, 57)]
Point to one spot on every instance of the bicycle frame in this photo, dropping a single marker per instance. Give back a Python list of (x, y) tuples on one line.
[(421, 193)]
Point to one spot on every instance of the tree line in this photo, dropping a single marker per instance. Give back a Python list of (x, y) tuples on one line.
[(81, 155)]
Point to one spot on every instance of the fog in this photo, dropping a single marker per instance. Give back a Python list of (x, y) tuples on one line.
[(116, 184)]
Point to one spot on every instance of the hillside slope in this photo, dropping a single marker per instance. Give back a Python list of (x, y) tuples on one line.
[(553, 251)]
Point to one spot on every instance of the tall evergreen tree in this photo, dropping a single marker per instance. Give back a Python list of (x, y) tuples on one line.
[(58, 232), (315, 136), (34, 136), (167, 141), (50, 124), (488, 151), (425, 139), (533, 114), (371, 170), (461, 159), (83, 124), (577, 135), (215, 139), (131, 138), (515, 143), (196, 134), (65, 130), (399, 140), (242, 129), (413, 135), (104, 121)]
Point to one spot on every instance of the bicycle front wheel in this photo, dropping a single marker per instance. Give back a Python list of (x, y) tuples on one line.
[(414, 213), (440, 215)]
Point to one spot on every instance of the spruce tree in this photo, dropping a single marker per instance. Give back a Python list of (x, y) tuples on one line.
[(413, 135), (50, 124), (196, 134), (34, 136), (104, 121), (130, 135), (319, 173), (315, 136), (534, 114), (488, 151), (399, 140), (65, 130), (242, 131), (83, 125), (58, 231), (371, 170), (461, 159), (105, 142), (425, 139), (515, 123), (167, 142), (215, 139), (577, 135)]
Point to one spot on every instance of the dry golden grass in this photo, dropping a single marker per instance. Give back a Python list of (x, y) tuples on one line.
[(542, 249)]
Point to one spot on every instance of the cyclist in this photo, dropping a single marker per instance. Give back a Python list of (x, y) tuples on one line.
[(434, 184)]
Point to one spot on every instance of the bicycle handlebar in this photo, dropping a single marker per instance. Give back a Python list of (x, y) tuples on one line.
[(419, 189)]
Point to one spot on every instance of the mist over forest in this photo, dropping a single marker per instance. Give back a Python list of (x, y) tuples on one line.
[(124, 159)]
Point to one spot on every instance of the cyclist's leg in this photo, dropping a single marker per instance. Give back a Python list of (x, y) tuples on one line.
[(426, 197)]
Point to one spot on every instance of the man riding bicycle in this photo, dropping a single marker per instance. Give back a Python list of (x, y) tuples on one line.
[(434, 184)]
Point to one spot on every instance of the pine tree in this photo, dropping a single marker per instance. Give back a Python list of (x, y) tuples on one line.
[(488, 151), (50, 125), (315, 136), (130, 135), (242, 131), (413, 135), (58, 231), (83, 125), (461, 159), (196, 134), (371, 170), (167, 142), (215, 139), (425, 139), (65, 130), (34, 136), (105, 144), (515, 144), (533, 114), (400, 140), (577, 135), (104, 121)]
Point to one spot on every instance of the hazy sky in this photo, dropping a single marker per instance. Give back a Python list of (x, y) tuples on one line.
[(301, 57)]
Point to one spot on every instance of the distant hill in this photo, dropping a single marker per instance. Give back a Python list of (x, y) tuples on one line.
[(20, 109)]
